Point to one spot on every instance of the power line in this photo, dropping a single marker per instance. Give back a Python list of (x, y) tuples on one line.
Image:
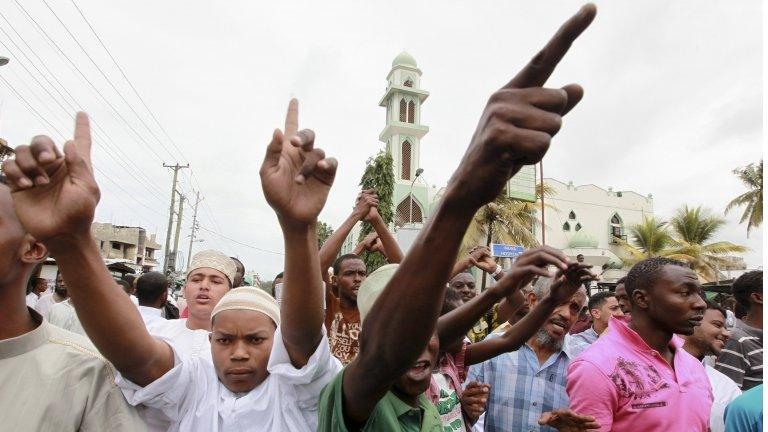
[(95, 131), (239, 242)]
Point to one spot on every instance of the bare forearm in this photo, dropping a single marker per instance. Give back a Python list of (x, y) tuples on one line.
[(421, 279), (391, 248), (460, 266), (456, 323), (105, 311), (302, 306), (513, 338), (334, 243)]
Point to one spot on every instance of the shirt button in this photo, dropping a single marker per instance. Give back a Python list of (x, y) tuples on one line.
[(534, 404)]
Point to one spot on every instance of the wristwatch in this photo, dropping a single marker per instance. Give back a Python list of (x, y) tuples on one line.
[(497, 272)]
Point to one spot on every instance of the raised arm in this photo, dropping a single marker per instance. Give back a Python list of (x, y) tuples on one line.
[(296, 179), (514, 130), (55, 197), (564, 286), (531, 263), (389, 246), (366, 200)]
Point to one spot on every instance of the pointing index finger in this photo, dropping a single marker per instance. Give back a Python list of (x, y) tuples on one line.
[(292, 119), (538, 70), (83, 137)]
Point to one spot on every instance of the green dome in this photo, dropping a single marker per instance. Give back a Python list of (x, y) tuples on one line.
[(404, 59), (583, 240)]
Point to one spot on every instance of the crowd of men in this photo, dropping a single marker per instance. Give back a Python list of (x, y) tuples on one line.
[(410, 346)]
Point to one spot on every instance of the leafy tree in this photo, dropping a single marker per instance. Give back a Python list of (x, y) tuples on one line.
[(379, 175), (752, 177), (648, 239), (324, 231)]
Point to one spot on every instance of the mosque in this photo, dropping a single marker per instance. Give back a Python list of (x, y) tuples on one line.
[(585, 219)]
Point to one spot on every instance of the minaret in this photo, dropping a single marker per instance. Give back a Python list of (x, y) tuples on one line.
[(402, 134)]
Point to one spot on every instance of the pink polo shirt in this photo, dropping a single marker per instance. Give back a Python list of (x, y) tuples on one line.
[(627, 385)]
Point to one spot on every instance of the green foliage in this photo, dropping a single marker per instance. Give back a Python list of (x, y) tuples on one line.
[(323, 232), (752, 177), (379, 175)]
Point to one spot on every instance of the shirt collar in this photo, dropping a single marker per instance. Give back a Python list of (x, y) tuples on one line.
[(149, 311), (619, 326), (400, 407), (27, 342)]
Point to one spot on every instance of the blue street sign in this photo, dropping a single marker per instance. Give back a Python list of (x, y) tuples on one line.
[(506, 251)]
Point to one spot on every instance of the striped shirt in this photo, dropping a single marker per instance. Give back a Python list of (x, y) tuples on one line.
[(742, 357), (521, 388)]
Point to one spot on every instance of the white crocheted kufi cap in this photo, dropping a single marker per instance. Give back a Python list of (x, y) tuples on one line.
[(249, 298)]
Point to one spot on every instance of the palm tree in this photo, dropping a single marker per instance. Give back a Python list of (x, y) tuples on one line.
[(693, 229), (752, 177), (650, 238)]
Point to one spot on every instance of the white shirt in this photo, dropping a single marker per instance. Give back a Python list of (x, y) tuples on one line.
[(724, 390), (194, 398), (63, 315), (150, 314), (31, 300), (44, 304), (134, 300), (191, 343)]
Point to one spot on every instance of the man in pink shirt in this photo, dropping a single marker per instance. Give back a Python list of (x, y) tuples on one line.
[(637, 376)]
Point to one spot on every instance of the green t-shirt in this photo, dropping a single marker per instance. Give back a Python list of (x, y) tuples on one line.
[(390, 414)]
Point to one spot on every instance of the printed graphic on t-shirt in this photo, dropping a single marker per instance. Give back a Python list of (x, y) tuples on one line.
[(637, 381), (343, 336), (448, 405)]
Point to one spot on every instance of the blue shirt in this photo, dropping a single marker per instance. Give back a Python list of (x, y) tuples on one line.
[(581, 341), (745, 413), (521, 389)]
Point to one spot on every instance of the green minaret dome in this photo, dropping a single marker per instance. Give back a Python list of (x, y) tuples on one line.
[(404, 59), (583, 240)]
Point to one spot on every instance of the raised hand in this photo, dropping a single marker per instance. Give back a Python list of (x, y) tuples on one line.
[(54, 194), (474, 399), (366, 201), (519, 121), (568, 421), (481, 258), (531, 263), (295, 176), (568, 281)]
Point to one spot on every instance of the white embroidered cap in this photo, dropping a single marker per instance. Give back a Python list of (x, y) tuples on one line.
[(215, 260), (249, 298)]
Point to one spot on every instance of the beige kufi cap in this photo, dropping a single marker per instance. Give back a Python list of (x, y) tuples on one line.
[(215, 260), (372, 286), (249, 298)]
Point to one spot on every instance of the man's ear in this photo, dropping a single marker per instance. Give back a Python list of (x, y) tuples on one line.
[(32, 251), (756, 297), (639, 298)]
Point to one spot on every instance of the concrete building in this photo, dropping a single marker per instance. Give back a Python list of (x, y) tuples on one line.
[(589, 220), (129, 245)]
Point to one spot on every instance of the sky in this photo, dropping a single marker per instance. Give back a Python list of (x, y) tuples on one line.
[(673, 97)]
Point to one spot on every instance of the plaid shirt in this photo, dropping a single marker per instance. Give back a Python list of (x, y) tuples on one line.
[(521, 389)]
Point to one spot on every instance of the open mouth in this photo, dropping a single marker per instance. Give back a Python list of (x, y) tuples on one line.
[(202, 298), (420, 370)]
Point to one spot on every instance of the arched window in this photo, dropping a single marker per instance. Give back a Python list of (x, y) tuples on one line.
[(411, 112), (408, 211), (572, 215), (578, 227), (408, 83), (566, 226), (617, 227), (405, 161), (615, 220), (403, 110)]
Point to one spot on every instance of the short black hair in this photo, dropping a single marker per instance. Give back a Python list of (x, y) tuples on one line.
[(646, 273), (129, 278), (238, 261), (279, 276), (714, 306), (452, 297), (623, 280), (579, 255), (740, 311), (598, 299), (125, 284), (745, 285), (340, 260), (150, 286)]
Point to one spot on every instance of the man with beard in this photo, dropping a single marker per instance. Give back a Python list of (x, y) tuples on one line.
[(59, 294), (708, 339), (531, 380), (638, 376)]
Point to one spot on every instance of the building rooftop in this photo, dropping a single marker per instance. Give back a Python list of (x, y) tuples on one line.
[(404, 59)]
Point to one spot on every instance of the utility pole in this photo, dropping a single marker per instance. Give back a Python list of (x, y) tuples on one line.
[(167, 253), (178, 230), (194, 228)]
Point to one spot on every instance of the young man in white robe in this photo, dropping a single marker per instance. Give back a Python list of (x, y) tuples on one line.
[(270, 367)]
